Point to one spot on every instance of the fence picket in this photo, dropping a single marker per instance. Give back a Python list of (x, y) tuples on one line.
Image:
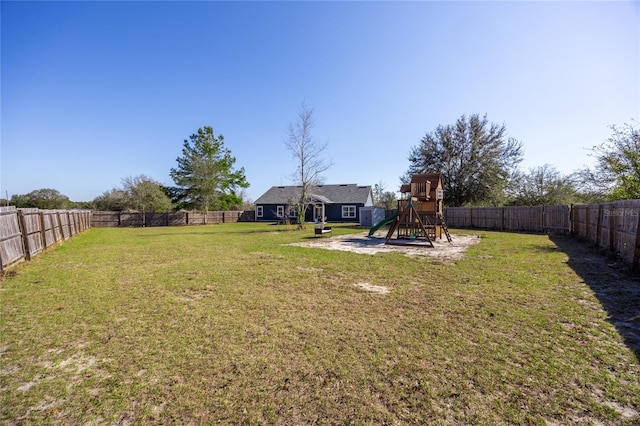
[(110, 218)]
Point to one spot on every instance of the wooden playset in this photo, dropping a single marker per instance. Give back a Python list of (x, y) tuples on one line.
[(418, 219)]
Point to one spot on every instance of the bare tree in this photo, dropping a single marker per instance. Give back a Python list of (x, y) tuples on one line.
[(308, 154), (542, 185), (382, 197)]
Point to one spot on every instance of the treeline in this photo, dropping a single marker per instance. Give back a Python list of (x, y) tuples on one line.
[(205, 179), (480, 166)]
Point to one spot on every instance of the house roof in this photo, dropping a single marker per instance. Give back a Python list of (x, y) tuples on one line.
[(328, 194)]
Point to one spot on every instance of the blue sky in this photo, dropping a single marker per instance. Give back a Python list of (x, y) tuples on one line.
[(92, 92)]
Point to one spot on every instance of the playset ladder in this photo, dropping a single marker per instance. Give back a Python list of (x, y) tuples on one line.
[(444, 226)]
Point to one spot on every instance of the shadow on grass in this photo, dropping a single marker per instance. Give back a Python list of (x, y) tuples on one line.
[(617, 288)]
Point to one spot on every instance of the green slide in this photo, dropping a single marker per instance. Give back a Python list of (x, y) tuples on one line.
[(383, 222)]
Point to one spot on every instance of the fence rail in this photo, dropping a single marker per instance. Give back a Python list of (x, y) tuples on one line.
[(612, 226), (133, 219), (512, 218), (26, 232)]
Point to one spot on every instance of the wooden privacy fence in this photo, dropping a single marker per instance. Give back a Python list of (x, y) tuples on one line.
[(26, 232), (612, 226), (511, 218), (133, 219)]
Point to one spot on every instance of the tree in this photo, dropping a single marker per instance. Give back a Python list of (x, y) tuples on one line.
[(45, 199), (112, 200), (543, 185), (139, 193), (205, 176), (145, 195), (82, 205), (475, 157), (308, 154), (382, 198), (617, 172)]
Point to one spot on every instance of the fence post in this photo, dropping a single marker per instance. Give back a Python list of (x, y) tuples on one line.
[(636, 251), (599, 224), (42, 228), (588, 223), (572, 230), (612, 229), (22, 226), (541, 221)]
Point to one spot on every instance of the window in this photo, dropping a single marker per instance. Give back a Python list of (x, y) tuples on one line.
[(292, 211), (280, 211), (348, 212), (259, 211)]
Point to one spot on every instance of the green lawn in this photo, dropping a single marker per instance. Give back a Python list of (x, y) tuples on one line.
[(228, 324)]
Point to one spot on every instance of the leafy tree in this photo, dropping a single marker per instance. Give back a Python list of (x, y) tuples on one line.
[(308, 154), (45, 199), (82, 205), (617, 172), (139, 193), (543, 185), (145, 195), (113, 200), (475, 157), (205, 176), (20, 200)]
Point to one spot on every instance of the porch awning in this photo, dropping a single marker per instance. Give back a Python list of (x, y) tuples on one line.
[(315, 198)]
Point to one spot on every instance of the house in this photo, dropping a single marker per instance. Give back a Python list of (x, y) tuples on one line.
[(338, 203)]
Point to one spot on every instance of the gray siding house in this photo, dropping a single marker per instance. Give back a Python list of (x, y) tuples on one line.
[(338, 203)]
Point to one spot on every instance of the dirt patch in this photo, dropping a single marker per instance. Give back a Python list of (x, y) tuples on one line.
[(380, 289), (26, 386), (361, 243)]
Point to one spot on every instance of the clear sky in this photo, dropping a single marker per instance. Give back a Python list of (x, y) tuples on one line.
[(92, 92)]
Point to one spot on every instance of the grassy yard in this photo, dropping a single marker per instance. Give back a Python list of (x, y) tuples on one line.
[(227, 324)]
